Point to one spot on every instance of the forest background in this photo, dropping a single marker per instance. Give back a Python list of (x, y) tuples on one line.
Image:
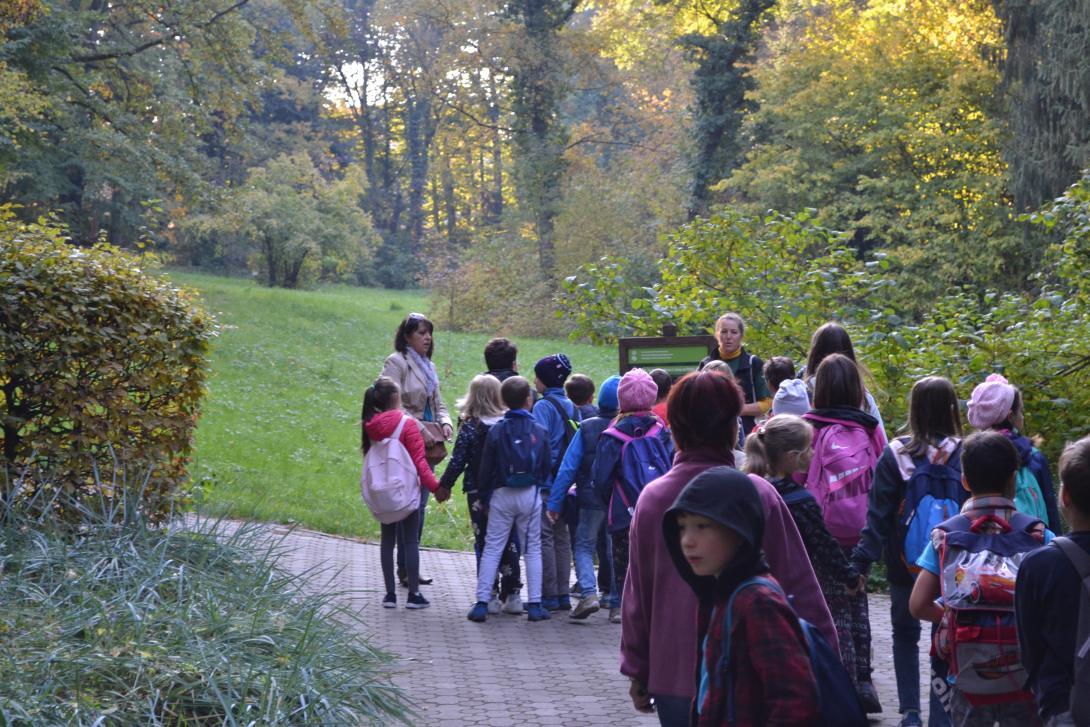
[(595, 167)]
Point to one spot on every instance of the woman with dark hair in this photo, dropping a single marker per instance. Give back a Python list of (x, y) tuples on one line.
[(411, 368), (847, 444), (659, 629), (934, 439), (828, 339), (748, 369)]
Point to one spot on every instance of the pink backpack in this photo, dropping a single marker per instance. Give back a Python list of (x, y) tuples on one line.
[(389, 483), (840, 475)]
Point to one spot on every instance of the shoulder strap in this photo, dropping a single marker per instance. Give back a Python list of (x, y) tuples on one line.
[(800, 495), (728, 625), (617, 434), (400, 426), (564, 416), (1075, 554), (1022, 521)]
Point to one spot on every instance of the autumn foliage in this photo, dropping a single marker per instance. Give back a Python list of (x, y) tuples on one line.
[(102, 369)]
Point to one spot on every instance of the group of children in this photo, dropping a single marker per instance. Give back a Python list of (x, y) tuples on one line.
[(962, 523)]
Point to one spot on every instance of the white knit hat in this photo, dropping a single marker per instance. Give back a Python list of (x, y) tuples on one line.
[(791, 398)]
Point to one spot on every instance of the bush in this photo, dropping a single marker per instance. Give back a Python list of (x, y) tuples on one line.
[(100, 361), (131, 625)]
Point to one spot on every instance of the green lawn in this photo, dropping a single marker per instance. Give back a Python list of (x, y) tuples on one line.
[(279, 436)]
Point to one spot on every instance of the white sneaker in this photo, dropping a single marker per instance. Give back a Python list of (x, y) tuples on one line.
[(513, 605), (494, 606)]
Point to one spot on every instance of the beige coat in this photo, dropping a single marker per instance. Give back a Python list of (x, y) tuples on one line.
[(413, 387)]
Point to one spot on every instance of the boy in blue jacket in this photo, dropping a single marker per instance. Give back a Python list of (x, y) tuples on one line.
[(515, 464), (556, 413), (578, 467)]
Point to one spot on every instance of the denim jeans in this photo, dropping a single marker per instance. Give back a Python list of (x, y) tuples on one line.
[(591, 523), (404, 533)]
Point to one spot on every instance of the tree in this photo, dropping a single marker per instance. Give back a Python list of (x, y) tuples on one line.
[(301, 226), (884, 121), (537, 91), (1046, 74)]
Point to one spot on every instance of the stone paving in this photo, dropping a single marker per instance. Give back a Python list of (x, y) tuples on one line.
[(505, 671)]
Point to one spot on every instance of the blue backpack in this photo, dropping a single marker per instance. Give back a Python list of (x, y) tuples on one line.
[(518, 456), (839, 705), (643, 458), (933, 495)]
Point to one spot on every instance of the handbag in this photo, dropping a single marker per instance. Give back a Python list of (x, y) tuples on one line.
[(435, 442)]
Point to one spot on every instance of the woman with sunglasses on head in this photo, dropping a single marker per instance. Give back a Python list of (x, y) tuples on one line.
[(411, 367)]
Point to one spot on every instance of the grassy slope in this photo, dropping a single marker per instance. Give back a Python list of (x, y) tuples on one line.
[(279, 437)]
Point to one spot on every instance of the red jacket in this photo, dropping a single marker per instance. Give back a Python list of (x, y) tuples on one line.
[(773, 682), (382, 425)]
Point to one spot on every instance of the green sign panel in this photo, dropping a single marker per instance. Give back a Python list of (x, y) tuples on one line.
[(662, 356)]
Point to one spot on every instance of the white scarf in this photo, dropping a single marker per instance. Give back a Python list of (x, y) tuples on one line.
[(431, 379)]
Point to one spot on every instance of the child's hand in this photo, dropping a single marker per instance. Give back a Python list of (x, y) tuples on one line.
[(553, 516), (859, 587), (641, 700), (442, 494)]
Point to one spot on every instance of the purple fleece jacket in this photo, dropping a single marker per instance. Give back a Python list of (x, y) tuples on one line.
[(659, 609)]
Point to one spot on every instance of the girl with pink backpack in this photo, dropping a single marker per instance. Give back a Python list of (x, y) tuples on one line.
[(847, 444), (394, 468)]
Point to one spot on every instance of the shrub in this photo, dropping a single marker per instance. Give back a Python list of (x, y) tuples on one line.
[(99, 359), (132, 625)]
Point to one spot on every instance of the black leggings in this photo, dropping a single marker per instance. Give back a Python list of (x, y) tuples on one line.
[(406, 534)]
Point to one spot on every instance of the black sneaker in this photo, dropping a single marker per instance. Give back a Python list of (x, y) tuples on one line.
[(415, 600), (868, 697), (390, 601)]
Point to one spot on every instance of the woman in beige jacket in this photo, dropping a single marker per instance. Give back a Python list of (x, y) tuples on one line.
[(411, 367)]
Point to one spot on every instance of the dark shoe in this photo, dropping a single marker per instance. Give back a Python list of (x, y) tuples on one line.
[(869, 698), (911, 718), (586, 606), (563, 604), (415, 600), (534, 612), (550, 604), (404, 580), (390, 601), (479, 612)]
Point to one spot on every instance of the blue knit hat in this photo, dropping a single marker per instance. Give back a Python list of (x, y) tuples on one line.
[(553, 370), (607, 394)]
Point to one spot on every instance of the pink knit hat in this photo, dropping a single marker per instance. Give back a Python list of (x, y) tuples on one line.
[(637, 391), (991, 402)]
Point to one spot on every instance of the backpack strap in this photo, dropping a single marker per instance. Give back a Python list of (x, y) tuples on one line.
[(800, 495), (1078, 557), (568, 421), (724, 658), (400, 426)]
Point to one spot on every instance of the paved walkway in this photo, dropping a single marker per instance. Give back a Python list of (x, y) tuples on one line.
[(506, 671)]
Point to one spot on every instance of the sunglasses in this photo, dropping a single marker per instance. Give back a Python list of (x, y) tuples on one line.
[(417, 317)]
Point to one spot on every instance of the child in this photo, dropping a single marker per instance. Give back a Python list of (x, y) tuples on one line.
[(777, 370), (1049, 587), (975, 614), (482, 408), (577, 467), (501, 358), (996, 404), (580, 389), (847, 444), (636, 393), (907, 482), (776, 451), (556, 413), (514, 464), (789, 395), (714, 533), (381, 417), (664, 381)]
